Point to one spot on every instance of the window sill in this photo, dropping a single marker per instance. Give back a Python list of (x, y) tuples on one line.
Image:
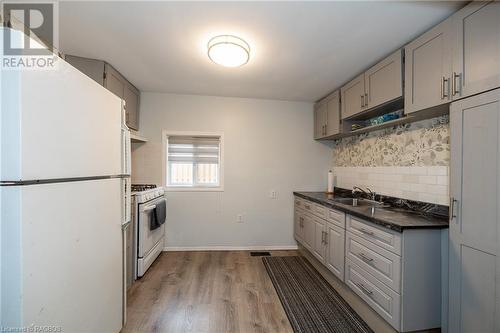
[(193, 189)]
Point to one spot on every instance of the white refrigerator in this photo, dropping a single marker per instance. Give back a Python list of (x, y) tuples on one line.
[(64, 196)]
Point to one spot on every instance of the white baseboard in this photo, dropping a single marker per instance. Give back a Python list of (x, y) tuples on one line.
[(230, 248)]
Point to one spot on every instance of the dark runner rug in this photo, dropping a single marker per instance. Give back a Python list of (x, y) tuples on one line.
[(311, 304)]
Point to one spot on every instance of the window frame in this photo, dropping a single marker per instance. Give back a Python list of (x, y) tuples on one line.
[(169, 188)]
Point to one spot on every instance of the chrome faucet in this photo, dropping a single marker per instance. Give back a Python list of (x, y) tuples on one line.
[(373, 195), (370, 194), (356, 189)]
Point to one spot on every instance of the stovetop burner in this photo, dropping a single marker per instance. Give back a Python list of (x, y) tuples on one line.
[(142, 187)]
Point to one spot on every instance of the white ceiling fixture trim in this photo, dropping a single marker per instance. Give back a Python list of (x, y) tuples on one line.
[(228, 51)]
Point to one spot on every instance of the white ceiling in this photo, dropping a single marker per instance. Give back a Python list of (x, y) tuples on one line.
[(300, 50)]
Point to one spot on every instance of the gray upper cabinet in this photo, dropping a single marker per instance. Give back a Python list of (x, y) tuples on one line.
[(117, 84), (320, 120), (333, 114), (327, 116), (131, 97), (91, 67), (353, 96), (114, 81), (474, 256), (476, 49), (104, 74), (379, 85), (458, 58), (384, 81), (428, 69)]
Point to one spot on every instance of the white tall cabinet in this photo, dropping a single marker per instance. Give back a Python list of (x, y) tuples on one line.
[(474, 276)]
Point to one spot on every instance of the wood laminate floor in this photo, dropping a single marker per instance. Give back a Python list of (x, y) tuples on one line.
[(227, 291)]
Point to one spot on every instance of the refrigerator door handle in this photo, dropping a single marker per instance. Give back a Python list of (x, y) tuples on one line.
[(126, 152), (126, 201)]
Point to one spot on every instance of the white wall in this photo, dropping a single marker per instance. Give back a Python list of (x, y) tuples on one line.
[(268, 146)]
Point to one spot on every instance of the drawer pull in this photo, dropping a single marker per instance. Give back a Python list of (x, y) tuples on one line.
[(368, 232), (365, 258), (364, 289), (307, 206)]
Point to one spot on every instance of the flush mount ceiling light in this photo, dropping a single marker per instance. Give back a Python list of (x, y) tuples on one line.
[(228, 51)]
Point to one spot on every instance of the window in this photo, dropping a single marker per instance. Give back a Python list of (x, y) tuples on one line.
[(193, 162)]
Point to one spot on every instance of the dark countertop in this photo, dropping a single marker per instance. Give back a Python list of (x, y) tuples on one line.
[(393, 218)]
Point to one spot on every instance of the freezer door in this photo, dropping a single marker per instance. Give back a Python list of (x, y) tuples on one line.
[(58, 123), (69, 242)]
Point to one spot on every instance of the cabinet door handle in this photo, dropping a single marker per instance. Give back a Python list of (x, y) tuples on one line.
[(368, 232), (326, 237), (455, 87), (362, 101), (366, 99), (453, 215), (307, 207), (444, 82), (365, 258)]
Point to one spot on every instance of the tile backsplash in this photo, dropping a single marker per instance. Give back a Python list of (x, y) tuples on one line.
[(423, 143), (427, 184), (409, 161)]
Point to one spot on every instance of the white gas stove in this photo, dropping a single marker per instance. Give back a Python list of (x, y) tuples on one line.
[(148, 242), (146, 192)]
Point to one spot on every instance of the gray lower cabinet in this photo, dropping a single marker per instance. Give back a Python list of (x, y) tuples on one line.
[(327, 116), (335, 240), (474, 254), (319, 245), (309, 232), (476, 49), (104, 74), (428, 69), (321, 231), (397, 274)]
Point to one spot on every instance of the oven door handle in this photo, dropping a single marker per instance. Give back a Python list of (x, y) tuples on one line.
[(148, 208)]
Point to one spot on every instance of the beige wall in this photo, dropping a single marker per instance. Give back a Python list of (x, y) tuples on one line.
[(268, 146)]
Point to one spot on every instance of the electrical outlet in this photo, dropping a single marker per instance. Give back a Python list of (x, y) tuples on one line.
[(239, 218), (273, 194)]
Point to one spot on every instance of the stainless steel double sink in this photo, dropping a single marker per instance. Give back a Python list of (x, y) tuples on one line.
[(355, 202)]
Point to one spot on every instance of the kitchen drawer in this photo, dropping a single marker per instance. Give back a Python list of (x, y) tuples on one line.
[(320, 211), (382, 264), (308, 206), (299, 203), (336, 217), (385, 238), (385, 301)]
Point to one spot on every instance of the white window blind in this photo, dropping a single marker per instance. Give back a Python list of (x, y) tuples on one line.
[(193, 161)]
